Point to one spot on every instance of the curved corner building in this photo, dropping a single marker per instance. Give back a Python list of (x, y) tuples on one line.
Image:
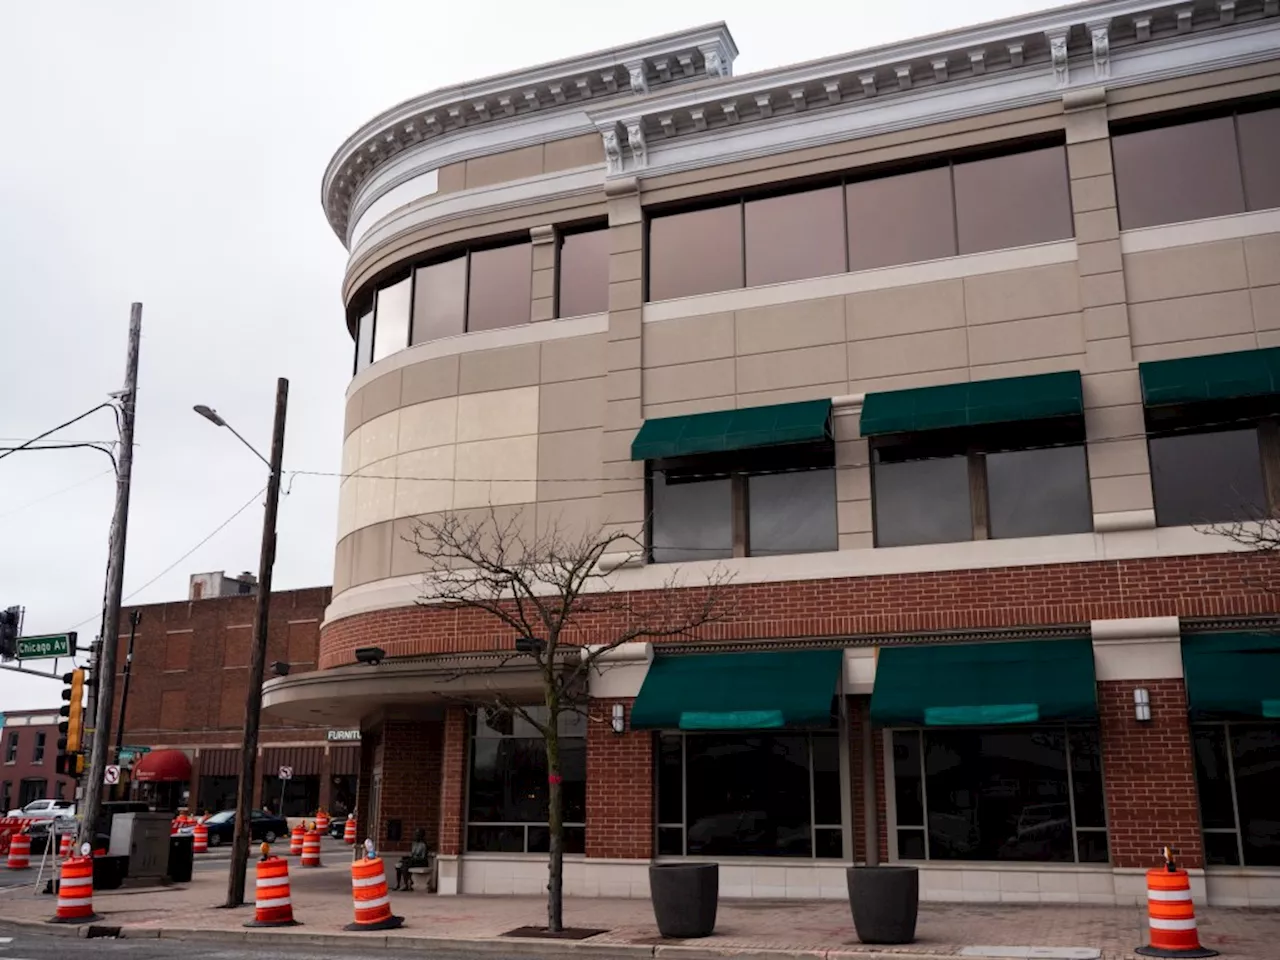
[(958, 354)]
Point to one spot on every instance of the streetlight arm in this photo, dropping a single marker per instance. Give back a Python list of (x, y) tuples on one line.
[(250, 446)]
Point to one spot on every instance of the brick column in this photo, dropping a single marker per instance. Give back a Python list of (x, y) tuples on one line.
[(453, 782), (620, 806), (623, 501), (193, 802), (257, 781), (369, 741), (410, 781), (326, 779), (857, 807), (1149, 774), (1119, 473), (543, 301)]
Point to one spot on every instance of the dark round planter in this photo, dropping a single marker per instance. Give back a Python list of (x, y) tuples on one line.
[(884, 901), (684, 898)]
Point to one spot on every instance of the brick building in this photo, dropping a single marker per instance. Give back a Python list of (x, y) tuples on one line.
[(954, 353), (28, 749), (187, 692)]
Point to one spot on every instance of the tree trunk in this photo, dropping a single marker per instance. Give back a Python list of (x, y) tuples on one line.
[(555, 819)]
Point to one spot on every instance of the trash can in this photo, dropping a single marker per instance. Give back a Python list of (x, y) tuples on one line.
[(181, 857), (109, 872)]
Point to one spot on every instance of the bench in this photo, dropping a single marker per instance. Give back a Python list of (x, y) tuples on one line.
[(427, 872)]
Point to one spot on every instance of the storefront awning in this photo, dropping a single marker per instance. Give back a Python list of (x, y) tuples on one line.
[(974, 404), (1232, 675), (985, 683), (1221, 376), (166, 765), (739, 691), (732, 430)]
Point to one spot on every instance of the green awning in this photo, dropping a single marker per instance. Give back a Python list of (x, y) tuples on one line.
[(1232, 675), (985, 683), (973, 404), (732, 430), (1221, 376), (738, 691)]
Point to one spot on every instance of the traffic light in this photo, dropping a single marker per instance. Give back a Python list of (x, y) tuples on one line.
[(70, 729), (9, 622)]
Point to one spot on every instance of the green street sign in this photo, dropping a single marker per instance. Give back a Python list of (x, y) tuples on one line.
[(42, 648), (137, 751)]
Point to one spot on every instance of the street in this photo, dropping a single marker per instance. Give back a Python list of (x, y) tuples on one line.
[(22, 943)]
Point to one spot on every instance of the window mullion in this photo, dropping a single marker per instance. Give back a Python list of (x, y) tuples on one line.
[(684, 795), (1071, 794), (738, 486), (1235, 803), (813, 809), (978, 496), (924, 794), (1269, 447)]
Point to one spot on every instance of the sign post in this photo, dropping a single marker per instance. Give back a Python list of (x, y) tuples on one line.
[(47, 647), (286, 774)]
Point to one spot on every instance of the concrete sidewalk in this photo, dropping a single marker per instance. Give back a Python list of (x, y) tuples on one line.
[(777, 929)]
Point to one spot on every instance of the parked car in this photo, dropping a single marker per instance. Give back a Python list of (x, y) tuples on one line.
[(46, 809), (262, 826), (336, 826)]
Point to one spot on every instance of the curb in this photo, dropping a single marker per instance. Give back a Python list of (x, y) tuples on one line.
[(489, 946)]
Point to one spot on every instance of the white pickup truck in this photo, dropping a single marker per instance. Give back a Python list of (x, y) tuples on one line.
[(46, 810)]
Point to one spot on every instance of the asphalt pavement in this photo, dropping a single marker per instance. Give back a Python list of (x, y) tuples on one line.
[(24, 943)]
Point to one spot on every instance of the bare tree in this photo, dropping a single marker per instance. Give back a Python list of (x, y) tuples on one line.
[(556, 593), (1259, 534)]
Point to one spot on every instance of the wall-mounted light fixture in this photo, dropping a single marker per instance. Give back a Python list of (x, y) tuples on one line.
[(1142, 704), (619, 718)]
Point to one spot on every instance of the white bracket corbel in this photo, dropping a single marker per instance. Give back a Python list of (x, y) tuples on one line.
[(1058, 55), (1100, 37)]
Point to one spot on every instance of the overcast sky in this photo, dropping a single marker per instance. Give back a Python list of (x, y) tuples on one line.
[(171, 152)]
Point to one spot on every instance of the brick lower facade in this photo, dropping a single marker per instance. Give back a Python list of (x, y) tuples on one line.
[(620, 799)]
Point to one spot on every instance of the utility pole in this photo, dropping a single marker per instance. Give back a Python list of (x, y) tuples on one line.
[(104, 670), (258, 657), (134, 619)]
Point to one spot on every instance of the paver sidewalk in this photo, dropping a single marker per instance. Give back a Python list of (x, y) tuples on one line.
[(322, 902)]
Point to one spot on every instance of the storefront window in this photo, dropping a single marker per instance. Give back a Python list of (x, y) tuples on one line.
[(296, 797), (1238, 778), (507, 799), (1024, 794), (749, 795)]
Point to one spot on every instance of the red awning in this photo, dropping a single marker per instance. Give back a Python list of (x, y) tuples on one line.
[(162, 765)]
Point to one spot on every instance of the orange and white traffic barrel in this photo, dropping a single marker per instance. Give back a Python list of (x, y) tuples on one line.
[(19, 852), (273, 906), (349, 831), (322, 822), (1171, 916), (200, 842), (64, 846), (75, 891), (311, 849), (295, 841), (369, 893)]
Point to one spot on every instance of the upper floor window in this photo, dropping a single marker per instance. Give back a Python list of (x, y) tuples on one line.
[(480, 289), (11, 749), (37, 755), (954, 206), (1198, 166), (582, 281)]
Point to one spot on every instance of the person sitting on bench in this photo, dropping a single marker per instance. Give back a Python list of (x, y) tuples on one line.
[(417, 858)]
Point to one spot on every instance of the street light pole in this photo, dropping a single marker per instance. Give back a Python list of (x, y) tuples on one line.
[(258, 655)]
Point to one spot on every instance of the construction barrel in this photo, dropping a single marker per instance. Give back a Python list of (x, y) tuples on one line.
[(369, 892)]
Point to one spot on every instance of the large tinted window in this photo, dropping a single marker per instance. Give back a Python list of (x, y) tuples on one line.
[(692, 520), (1002, 794), (584, 273), (695, 252), (500, 287), (507, 794), (901, 219), (391, 332), (1238, 780), (364, 340), (1012, 201), (795, 236), (1183, 172), (1260, 157), (792, 512), (440, 300), (922, 501), (1037, 493), (1207, 477), (771, 795)]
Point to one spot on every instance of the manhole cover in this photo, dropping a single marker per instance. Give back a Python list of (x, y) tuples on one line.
[(541, 933)]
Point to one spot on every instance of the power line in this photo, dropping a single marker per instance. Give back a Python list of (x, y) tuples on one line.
[(56, 493), (218, 529), (60, 426)]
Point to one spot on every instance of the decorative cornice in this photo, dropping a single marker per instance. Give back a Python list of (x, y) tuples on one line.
[(1054, 50), (650, 65)]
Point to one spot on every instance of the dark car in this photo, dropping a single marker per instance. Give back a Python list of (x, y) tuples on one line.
[(336, 826), (262, 826)]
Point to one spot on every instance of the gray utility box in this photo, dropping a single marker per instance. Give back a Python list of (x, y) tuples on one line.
[(144, 839)]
